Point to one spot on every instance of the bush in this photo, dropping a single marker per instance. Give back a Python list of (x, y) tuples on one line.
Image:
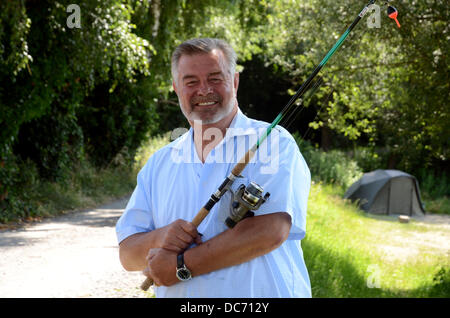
[(441, 283), (16, 175), (53, 142), (31, 197), (332, 167), (368, 159), (432, 185), (114, 121)]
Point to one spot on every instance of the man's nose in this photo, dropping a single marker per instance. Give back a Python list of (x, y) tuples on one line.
[(204, 89)]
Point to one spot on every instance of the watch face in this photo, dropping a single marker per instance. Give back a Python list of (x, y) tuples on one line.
[(183, 274)]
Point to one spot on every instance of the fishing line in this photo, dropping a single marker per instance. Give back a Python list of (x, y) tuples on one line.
[(292, 116)]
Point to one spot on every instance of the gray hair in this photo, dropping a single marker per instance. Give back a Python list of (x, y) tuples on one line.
[(203, 45)]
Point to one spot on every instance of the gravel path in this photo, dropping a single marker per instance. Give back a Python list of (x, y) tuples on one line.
[(74, 255)]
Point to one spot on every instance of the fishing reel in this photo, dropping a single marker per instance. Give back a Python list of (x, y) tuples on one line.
[(244, 201)]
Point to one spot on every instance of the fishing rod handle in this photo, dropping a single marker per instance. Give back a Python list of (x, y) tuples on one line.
[(240, 166), (146, 284), (200, 216)]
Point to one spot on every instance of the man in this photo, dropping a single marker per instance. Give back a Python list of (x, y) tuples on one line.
[(261, 255)]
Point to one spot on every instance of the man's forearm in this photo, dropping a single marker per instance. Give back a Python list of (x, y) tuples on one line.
[(133, 250), (250, 238)]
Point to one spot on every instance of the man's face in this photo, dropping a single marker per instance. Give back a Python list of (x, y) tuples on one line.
[(205, 88)]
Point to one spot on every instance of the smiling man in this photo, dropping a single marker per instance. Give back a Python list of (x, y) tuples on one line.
[(260, 256)]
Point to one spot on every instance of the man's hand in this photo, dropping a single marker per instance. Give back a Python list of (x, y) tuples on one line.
[(161, 266), (178, 236)]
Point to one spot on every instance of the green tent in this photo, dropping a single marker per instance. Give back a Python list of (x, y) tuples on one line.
[(387, 192)]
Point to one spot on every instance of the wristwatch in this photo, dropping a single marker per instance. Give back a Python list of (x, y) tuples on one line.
[(183, 273)]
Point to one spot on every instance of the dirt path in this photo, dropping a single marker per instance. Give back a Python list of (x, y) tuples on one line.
[(431, 236), (74, 255)]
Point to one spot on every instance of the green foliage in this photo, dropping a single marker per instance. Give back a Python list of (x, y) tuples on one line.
[(441, 280), (435, 191), (84, 186), (333, 167), (54, 143), (434, 184), (14, 27), (47, 74), (16, 175), (148, 148), (114, 122), (369, 159)]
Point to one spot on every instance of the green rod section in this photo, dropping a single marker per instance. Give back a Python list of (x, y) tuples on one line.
[(335, 47), (269, 130)]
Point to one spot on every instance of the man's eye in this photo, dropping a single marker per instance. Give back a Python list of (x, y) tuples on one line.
[(215, 80), (191, 83)]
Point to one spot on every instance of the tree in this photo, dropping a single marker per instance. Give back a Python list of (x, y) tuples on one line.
[(385, 87)]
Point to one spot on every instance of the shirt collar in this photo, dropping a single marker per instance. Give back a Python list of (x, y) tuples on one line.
[(241, 125)]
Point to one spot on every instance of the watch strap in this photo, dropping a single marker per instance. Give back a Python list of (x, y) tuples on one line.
[(182, 273), (180, 260)]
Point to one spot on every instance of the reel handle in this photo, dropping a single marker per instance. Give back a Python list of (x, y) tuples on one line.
[(146, 284)]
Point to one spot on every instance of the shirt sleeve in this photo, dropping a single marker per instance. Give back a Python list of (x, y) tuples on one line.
[(286, 176), (137, 217)]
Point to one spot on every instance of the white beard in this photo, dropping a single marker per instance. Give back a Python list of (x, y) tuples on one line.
[(220, 113)]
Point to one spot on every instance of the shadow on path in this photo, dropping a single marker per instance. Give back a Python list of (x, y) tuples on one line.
[(33, 233)]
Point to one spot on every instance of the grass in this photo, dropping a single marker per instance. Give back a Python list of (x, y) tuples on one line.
[(85, 187), (148, 148), (352, 254)]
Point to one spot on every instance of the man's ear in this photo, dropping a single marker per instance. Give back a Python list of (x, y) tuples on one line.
[(174, 87), (236, 82)]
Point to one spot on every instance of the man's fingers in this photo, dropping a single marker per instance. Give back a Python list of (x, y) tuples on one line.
[(175, 248), (179, 235), (146, 272), (198, 240), (149, 254), (189, 228), (184, 237)]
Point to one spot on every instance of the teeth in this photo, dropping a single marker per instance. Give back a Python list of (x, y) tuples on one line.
[(206, 104)]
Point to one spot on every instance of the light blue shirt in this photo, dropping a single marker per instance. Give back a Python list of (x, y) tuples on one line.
[(175, 184)]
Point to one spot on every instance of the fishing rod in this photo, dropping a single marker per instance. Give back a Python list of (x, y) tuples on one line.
[(251, 197)]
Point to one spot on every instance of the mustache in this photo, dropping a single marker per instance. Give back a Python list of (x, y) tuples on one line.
[(212, 97)]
